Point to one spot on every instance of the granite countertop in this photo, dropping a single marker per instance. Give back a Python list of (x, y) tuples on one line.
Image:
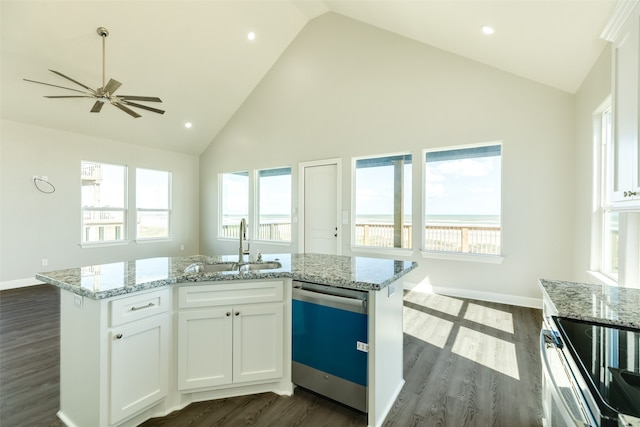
[(109, 280), (600, 303)]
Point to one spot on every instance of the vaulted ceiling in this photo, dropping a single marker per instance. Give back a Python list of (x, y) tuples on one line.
[(196, 55)]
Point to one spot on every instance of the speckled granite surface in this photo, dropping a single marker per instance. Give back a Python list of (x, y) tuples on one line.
[(108, 280), (606, 304)]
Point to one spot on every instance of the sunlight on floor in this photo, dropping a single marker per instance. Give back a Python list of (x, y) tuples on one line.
[(487, 350), (425, 327), (491, 317), (441, 303)]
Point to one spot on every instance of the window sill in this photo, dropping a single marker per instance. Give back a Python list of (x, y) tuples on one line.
[(383, 251), (88, 245), (153, 240), (455, 256)]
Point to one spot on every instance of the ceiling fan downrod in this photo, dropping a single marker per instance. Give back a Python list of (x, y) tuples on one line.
[(103, 32)]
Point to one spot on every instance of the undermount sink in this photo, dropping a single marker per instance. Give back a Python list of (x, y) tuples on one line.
[(232, 266)]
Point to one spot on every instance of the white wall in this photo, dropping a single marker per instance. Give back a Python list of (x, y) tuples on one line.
[(35, 225), (345, 89)]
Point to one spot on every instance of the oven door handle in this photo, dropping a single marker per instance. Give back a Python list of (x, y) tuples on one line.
[(548, 338)]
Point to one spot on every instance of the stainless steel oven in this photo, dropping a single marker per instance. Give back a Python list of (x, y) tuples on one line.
[(591, 373)]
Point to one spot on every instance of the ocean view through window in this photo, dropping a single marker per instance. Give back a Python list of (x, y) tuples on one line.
[(382, 202), (462, 193)]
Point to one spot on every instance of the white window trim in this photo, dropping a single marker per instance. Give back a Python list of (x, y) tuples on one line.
[(459, 256), (126, 221), (376, 249), (255, 231), (169, 209)]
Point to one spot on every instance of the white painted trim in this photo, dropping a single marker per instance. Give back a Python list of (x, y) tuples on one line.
[(301, 167), (619, 16), (477, 295), (18, 283), (394, 252), (458, 256)]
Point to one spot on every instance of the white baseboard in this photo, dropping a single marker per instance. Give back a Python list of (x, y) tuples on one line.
[(19, 283), (477, 295)]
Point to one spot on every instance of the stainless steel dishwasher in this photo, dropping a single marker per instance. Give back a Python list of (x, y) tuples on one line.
[(330, 342)]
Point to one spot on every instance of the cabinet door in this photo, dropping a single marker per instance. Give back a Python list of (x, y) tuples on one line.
[(204, 348), (626, 70), (138, 366), (258, 342)]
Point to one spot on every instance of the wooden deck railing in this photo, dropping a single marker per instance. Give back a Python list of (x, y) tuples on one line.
[(446, 238)]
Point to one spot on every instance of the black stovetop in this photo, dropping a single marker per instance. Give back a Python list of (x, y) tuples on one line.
[(610, 360)]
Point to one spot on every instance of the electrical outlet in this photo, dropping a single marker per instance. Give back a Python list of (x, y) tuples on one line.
[(45, 262), (182, 247), (78, 300), (362, 346)]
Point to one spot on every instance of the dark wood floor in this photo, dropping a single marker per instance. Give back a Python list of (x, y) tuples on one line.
[(467, 363)]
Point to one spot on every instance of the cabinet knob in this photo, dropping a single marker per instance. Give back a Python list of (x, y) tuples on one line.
[(237, 313), (228, 313), (119, 336)]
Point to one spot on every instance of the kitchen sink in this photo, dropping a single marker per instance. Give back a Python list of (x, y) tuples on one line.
[(268, 265), (232, 266)]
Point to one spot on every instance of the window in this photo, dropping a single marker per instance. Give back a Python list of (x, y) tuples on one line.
[(234, 190), (383, 202), (608, 218), (103, 199), (274, 204), (153, 204), (463, 199)]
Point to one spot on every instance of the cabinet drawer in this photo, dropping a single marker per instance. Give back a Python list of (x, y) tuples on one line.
[(228, 293), (138, 306)]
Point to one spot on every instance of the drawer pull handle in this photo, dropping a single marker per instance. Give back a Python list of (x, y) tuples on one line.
[(630, 193), (142, 307)]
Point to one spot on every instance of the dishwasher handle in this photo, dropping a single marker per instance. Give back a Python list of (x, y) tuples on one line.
[(358, 305)]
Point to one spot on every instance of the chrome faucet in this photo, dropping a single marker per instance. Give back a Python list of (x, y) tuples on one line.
[(243, 236)]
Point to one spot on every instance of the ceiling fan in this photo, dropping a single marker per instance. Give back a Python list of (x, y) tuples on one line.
[(106, 92)]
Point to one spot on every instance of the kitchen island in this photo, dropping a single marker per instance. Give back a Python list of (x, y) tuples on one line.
[(140, 339)]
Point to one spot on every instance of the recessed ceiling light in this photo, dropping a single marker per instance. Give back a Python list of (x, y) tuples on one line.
[(487, 30), (251, 35), (187, 125)]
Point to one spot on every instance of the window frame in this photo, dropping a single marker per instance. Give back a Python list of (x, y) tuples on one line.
[(382, 250), (602, 194), (124, 210), (255, 234), (168, 210), (221, 184), (460, 256)]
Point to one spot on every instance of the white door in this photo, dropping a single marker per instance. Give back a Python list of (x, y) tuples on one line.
[(321, 208)]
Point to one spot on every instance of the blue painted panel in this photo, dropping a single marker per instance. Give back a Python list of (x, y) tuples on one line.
[(325, 338)]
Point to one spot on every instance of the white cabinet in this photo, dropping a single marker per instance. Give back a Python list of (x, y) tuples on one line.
[(114, 357), (138, 366), (626, 109), (230, 334)]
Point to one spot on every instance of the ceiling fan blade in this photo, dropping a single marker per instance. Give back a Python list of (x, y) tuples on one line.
[(76, 82), (70, 96), (112, 86), (140, 98), (49, 84), (97, 106), (126, 110), (144, 107)]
